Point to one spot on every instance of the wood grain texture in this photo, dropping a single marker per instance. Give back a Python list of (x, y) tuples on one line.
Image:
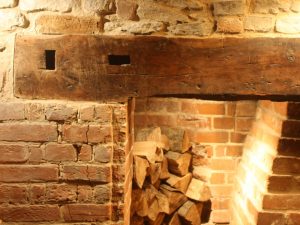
[(159, 66)]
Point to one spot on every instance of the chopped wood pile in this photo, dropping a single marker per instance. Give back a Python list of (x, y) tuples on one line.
[(170, 182)]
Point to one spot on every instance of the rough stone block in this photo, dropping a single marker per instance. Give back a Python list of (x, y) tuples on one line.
[(67, 24), (11, 20), (232, 25), (187, 4), (140, 27), (271, 6), (102, 153), (229, 8), (258, 23), (203, 27), (46, 5), (288, 25), (151, 11), (126, 9), (8, 3), (99, 6)]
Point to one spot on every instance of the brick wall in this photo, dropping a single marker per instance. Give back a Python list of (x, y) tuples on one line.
[(221, 125), (267, 187), (62, 162)]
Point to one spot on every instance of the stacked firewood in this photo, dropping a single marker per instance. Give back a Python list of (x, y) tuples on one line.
[(169, 185)]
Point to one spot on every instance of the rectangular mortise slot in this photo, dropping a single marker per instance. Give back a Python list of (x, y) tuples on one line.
[(50, 59), (119, 60)]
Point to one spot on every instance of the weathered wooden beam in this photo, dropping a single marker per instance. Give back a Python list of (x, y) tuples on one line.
[(153, 66)]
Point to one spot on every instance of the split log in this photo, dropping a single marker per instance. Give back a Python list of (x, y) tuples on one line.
[(179, 141), (180, 183), (147, 149), (190, 212), (153, 134), (175, 220), (200, 154), (202, 173), (139, 202), (159, 220), (163, 203), (155, 170), (140, 170), (137, 220), (164, 169), (178, 163), (198, 190), (153, 210), (175, 198)]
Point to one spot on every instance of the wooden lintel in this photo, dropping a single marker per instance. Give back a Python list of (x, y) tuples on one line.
[(85, 66)]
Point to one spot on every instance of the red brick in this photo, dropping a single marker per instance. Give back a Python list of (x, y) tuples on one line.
[(61, 193), (118, 193), (118, 173), (291, 129), (220, 151), (118, 154), (87, 113), (220, 203), (36, 154), (86, 212), (37, 193), (195, 107), (221, 190), (194, 121), (60, 152), (223, 164), (162, 105), (31, 213), (284, 184), (293, 110), (102, 194), (286, 165), (220, 216), (12, 111), (85, 153), (28, 132), (224, 123), (217, 178), (87, 173), (289, 147), (27, 173), (162, 120), (281, 108), (246, 108), (13, 153), (270, 218), (13, 194), (103, 113), (85, 194), (230, 108), (34, 112), (237, 137), (60, 113), (243, 124), (99, 134), (234, 151), (75, 133), (281, 202), (102, 153), (208, 137)]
